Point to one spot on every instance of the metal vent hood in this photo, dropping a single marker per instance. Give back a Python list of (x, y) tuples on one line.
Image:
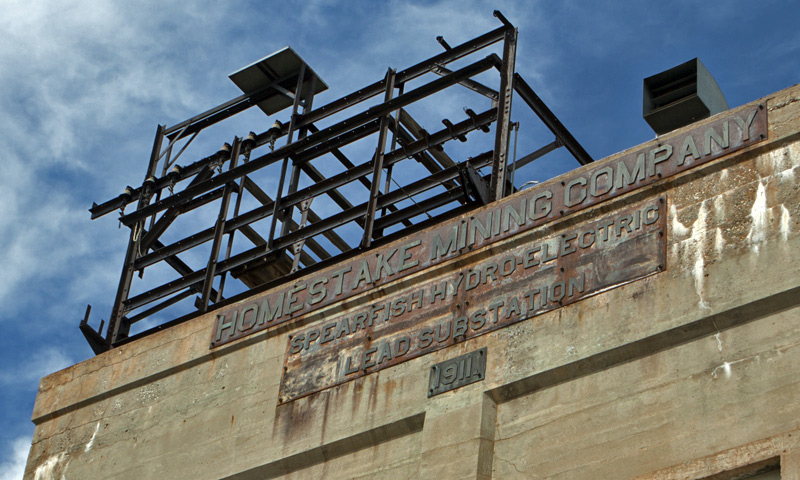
[(680, 96)]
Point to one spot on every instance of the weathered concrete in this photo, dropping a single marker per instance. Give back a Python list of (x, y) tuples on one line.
[(684, 373)]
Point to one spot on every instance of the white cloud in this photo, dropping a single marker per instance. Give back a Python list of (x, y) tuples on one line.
[(78, 77), (14, 466)]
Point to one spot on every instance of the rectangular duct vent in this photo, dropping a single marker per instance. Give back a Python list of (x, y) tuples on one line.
[(680, 96)]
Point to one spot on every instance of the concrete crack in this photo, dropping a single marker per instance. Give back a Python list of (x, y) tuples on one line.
[(534, 476)]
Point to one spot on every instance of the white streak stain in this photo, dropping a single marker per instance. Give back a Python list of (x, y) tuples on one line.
[(787, 175), (677, 227), (785, 223), (760, 215), (91, 440), (794, 154), (719, 209), (45, 470), (719, 241), (698, 240), (694, 245), (719, 341), (726, 366), (783, 162), (698, 279)]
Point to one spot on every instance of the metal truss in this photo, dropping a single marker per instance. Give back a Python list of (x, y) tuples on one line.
[(283, 237)]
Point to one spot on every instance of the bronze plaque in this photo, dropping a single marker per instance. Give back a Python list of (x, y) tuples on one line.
[(457, 372), (510, 286), (595, 183)]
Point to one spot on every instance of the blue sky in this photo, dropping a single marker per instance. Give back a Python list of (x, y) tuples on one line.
[(84, 85)]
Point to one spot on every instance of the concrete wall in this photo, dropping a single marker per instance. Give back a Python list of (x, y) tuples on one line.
[(686, 373)]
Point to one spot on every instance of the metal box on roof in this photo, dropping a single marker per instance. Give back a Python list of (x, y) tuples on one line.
[(278, 71), (680, 96)]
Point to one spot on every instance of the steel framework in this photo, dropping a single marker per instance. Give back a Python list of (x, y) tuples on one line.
[(291, 238)]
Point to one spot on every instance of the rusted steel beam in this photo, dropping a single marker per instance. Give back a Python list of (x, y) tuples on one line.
[(550, 120), (171, 214), (186, 281), (226, 110), (390, 198), (426, 158), (538, 153), (238, 145), (474, 184), (418, 132), (332, 236), (94, 337), (254, 237), (307, 100), (377, 167), (437, 138), (420, 207), (476, 87), (450, 195), (161, 306), (253, 254), (502, 128), (332, 182), (294, 177), (117, 327), (180, 266), (285, 162), (315, 247), (437, 179), (203, 236), (394, 125), (404, 76), (316, 176), (160, 184), (333, 193), (219, 230), (292, 149), (305, 258), (336, 142), (323, 135), (344, 139), (284, 241)]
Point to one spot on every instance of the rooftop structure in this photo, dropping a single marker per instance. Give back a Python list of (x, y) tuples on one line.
[(326, 205), (632, 318)]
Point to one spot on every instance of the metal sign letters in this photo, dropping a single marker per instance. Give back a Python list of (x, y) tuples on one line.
[(587, 186), (505, 288)]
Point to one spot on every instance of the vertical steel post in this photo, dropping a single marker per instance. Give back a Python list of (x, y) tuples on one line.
[(375, 188), (395, 134), (236, 207), (219, 230), (504, 115), (308, 100), (117, 327), (297, 247), (285, 163)]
